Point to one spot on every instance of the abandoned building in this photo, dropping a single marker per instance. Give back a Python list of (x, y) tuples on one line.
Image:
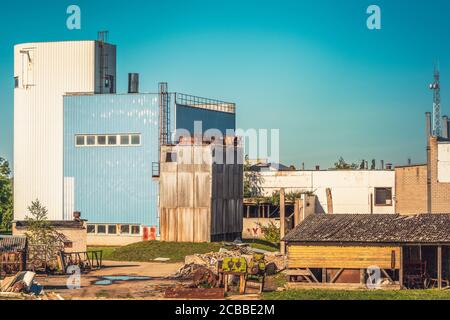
[(426, 187), (201, 192), (99, 151), (409, 251)]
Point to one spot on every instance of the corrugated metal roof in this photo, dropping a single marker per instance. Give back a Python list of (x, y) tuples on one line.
[(373, 228), (12, 243)]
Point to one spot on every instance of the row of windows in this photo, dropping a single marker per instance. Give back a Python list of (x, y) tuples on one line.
[(114, 229), (108, 140)]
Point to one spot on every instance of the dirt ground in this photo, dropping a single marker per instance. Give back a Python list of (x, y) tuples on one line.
[(160, 274)]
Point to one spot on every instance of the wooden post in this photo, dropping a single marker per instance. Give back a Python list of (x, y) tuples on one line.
[(362, 276), (248, 211), (324, 275), (296, 212), (329, 201), (400, 272), (282, 221), (439, 266)]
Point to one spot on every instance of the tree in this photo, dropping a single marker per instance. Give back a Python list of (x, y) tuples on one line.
[(252, 181), (45, 242), (6, 195), (342, 165)]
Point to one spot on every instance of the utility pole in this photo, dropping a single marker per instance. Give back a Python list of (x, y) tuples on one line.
[(435, 86), (282, 221)]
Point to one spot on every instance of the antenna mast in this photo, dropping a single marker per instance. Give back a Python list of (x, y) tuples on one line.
[(435, 86)]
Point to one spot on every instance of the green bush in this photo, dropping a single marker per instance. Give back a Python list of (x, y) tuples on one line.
[(271, 232)]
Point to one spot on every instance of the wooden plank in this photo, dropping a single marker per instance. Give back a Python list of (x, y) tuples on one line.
[(334, 257), (282, 221), (336, 276), (312, 275), (439, 266), (296, 212), (400, 273), (387, 276)]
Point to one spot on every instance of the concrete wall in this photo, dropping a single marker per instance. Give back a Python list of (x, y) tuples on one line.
[(351, 190), (411, 189), (77, 236), (45, 72), (443, 162)]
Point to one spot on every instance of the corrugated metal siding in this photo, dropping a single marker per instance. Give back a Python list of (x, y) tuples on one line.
[(12, 243), (186, 116), (56, 68), (113, 184)]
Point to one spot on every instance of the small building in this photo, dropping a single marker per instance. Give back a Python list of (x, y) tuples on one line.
[(342, 191), (408, 251), (13, 254), (74, 232), (201, 191)]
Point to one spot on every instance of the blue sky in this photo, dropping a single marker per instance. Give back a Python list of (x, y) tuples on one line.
[(310, 68)]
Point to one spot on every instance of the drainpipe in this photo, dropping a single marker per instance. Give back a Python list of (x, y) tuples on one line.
[(428, 135)]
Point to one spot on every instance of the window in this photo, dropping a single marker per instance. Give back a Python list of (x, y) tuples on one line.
[(68, 244), (101, 229), (91, 228), (135, 140), (383, 196), (112, 229), (16, 82), (112, 140), (90, 140), (124, 140), (171, 157), (80, 140), (101, 140), (135, 230), (108, 140), (125, 229)]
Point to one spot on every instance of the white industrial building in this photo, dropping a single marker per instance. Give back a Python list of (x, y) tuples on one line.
[(352, 191), (43, 74)]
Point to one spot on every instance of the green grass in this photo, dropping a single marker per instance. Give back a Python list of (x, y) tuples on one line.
[(149, 250), (324, 294), (262, 244)]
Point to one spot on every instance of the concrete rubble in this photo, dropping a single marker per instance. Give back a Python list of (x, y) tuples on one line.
[(275, 262)]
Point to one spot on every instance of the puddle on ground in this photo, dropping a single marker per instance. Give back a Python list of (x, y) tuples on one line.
[(108, 280)]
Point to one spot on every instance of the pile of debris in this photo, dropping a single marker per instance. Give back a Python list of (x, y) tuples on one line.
[(23, 285), (275, 262)]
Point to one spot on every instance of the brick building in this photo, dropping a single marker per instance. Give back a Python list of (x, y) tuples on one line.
[(426, 187)]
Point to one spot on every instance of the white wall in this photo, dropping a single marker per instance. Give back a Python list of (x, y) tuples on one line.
[(444, 162), (351, 190), (52, 70)]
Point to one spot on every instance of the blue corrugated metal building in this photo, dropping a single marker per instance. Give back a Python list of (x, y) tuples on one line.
[(111, 142)]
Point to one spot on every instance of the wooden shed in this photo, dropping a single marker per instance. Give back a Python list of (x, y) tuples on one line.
[(348, 249)]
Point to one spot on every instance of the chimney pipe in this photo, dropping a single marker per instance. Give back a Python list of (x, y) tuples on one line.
[(317, 168), (445, 129), (428, 124), (382, 164), (388, 166), (133, 83)]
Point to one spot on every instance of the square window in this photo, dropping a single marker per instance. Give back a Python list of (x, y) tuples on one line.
[(112, 229), (135, 139), (16, 82), (101, 229), (135, 230), (125, 229), (90, 140), (383, 196), (124, 140), (80, 141), (68, 244), (112, 140), (91, 228), (171, 157), (101, 140)]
